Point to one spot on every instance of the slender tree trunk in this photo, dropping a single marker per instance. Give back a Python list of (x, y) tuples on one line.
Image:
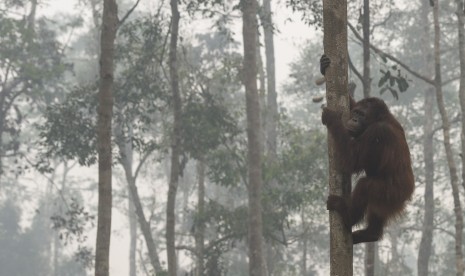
[(426, 242), (132, 237), (370, 258), (144, 225), (261, 87), (447, 145), (461, 33), (200, 225), (272, 97), (249, 30), (394, 268), (105, 110), (424, 252), (271, 118), (126, 153), (335, 46), (461, 30), (366, 50), (304, 242), (125, 148), (175, 143)]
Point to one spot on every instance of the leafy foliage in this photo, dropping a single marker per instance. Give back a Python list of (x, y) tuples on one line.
[(69, 128), (388, 81), (31, 64), (206, 125), (311, 10), (73, 226)]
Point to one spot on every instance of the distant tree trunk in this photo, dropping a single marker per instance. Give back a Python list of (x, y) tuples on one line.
[(370, 258), (461, 33), (271, 117), (132, 237), (424, 251), (200, 225), (272, 102), (175, 142), (426, 242), (447, 145), (366, 50), (125, 148), (105, 111), (304, 242), (261, 87), (144, 225), (461, 30), (249, 30), (335, 46)]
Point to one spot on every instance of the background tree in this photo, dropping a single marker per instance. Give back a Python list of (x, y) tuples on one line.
[(254, 139), (175, 142), (105, 110)]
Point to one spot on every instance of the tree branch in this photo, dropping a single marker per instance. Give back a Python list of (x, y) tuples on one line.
[(128, 14), (386, 55)]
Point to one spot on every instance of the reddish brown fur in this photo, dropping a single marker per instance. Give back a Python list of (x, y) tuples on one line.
[(381, 151)]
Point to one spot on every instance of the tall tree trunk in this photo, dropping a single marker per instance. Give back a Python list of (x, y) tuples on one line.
[(254, 139), (335, 46), (105, 111), (461, 30), (271, 117), (272, 97), (200, 225), (426, 242), (175, 143), (461, 33), (447, 145), (424, 252)]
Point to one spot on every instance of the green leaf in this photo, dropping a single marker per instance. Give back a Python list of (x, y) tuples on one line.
[(384, 78)]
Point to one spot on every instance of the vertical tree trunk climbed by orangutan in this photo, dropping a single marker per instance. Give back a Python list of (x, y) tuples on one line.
[(335, 47)]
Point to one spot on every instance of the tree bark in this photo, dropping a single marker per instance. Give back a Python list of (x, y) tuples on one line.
[(366, 50), (132, 237), (200, 225), (272, 102), (249, 31), (424, 251), (335, 46), (105, 110), (175, 143), (461, 32), (370, 258), (271, 117), (447, 145)]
